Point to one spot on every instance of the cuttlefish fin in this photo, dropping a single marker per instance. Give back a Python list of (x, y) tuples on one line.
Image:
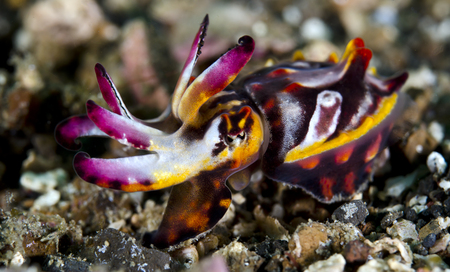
[(194, 207)]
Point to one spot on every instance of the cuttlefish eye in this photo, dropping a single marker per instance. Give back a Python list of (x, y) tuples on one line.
[(230, 139), (240, 137)]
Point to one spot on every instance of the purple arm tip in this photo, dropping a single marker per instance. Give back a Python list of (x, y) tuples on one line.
[(68, 131)]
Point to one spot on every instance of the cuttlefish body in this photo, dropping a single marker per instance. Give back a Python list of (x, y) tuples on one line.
[(315, 125)]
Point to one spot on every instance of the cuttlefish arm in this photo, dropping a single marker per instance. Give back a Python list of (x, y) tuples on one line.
[(176, 157), (110, 93), (119, 127), (186, 72), (127, 174), (68, 132), (119, 121), (164, 168), (214, 79), (100, 122), (115, 102)]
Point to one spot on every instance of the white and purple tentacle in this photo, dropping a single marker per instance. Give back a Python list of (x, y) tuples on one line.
[(165, 166), (68, 131)]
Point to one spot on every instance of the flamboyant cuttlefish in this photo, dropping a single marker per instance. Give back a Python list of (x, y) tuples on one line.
[(315, 125)]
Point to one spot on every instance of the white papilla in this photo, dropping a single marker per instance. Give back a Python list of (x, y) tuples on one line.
[(326, 101)]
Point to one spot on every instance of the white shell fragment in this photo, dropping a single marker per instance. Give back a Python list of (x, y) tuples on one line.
[(17, 259), (418, 203), (392, 246), (48, 199), (335, 263), (45, 182), (397, 185), (404, 230), (374, 266), (238, 255), (444, 184), (436, 130), (436, 163), (418, 200)]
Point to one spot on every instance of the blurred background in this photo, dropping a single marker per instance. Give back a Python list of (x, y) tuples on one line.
[(48, 49)]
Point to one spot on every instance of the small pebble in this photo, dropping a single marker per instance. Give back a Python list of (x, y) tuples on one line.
[(440, 244), (419, 208), (43, 182), (444, 184), (404, 230), (397, 185), (437, 131), (374, 265), (356, 251), (436, 211), (426, 185), (420, 223), (335, 263), (390, 218), (238, 255), (353, 212), (367, 227), (438, 195), (429, 241), (425, 214), (434, 226), (436, 163), (17, 260), (417, 200), (269, 248), (420, 249), (410, 214), (447, 206), (392, 245), (48, 199)]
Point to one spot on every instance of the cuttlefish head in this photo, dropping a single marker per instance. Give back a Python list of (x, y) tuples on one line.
[(223, 138), (214, 137)]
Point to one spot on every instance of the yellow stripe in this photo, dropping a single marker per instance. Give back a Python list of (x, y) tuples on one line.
[(386, 106)]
